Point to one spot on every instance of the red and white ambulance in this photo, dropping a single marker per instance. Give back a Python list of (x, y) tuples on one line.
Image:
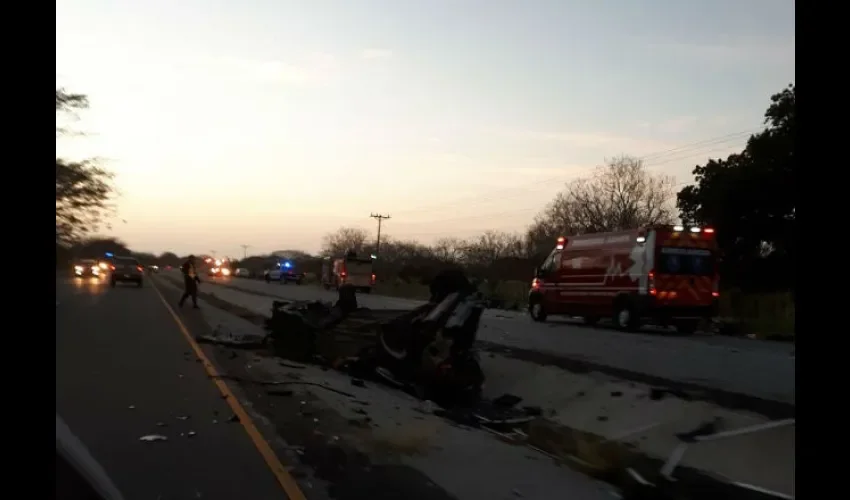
[(663, 275)]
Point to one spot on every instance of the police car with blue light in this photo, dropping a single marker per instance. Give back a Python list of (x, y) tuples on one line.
[(283, 271)]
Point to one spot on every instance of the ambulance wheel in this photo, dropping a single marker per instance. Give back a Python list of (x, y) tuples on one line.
[(624, 316), (536, 310)]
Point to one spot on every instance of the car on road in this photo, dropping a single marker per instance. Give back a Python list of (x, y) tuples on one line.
[(284, 272), (241, 272), (87, 268), (126, 269)]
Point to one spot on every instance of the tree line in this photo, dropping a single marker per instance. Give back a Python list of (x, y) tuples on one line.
[(749, 198)]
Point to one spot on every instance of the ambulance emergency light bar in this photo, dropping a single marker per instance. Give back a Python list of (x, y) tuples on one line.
[(642, 239)]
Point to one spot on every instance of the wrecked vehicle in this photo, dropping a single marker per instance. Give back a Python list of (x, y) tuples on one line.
[(428, 351)]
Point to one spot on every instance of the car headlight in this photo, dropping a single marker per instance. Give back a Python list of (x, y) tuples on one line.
[(95, 270), (225, 272), (103, 265), (79, 269)]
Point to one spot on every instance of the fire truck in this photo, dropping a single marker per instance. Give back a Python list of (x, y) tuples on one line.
[(348, 270), (665, 275)]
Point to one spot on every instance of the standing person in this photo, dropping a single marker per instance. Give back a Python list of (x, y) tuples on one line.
[(190, 282)]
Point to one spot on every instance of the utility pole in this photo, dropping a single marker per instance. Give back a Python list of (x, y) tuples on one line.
[(245, 251), (380, 219)]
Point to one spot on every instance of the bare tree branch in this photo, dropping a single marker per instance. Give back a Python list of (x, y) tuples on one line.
[(620, 195)]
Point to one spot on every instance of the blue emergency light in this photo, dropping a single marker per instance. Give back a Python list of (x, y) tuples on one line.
[(287, 264), (109, 254)]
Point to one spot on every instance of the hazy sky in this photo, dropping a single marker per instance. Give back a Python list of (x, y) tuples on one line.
[(273, 122)]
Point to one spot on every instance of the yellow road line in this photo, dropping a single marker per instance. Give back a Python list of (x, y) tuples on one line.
[(290, 486)]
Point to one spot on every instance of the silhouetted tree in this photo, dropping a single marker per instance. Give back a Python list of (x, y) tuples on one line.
[(750, 198), (98, 248), (620, 195), (169, 259), (83, 189), (344, 238)]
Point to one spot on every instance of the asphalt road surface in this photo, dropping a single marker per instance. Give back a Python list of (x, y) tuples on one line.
[(759, 369), (126, 367), (125, 370)]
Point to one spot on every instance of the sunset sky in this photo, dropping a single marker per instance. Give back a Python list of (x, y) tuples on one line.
[(273, 122)]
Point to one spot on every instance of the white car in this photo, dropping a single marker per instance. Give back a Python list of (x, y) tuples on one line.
[(241, 272)]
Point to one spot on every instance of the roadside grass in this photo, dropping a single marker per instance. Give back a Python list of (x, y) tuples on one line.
[(765, 315)]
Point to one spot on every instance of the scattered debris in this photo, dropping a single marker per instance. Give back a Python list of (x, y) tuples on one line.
[(153, 437), (182, 417), (131, 407), (225, 337), (161, 424), (534, 411), (507, 401), (190, 434), (358, 382)]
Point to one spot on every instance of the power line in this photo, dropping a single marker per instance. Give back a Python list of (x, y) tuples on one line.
[(715, 141), (380, 219), (538, 207)]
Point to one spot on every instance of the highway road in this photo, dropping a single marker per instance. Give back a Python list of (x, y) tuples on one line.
[(759, 369), (125, 370), (127, 366)]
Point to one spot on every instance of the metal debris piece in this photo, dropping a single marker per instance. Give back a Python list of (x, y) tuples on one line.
[(182, 417), (131, 407), (224, 336), (153, 437), (190, 434), (507, 401)]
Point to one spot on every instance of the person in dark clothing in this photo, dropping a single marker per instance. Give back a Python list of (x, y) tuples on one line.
[(190, 282)]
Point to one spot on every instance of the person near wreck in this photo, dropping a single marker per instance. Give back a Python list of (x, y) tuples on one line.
[(190, 282)]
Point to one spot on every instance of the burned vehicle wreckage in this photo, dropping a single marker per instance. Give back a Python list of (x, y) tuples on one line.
[(428, 351)]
